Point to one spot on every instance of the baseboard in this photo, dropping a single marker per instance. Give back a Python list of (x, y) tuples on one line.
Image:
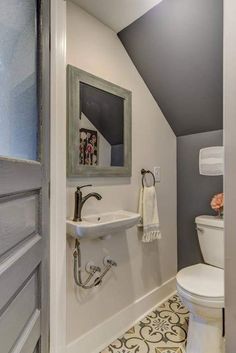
[(102, 335)]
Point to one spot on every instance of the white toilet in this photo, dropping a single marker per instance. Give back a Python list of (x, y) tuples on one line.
[(201, 288)]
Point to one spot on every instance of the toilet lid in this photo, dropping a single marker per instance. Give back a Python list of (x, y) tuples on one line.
[(203, 280)]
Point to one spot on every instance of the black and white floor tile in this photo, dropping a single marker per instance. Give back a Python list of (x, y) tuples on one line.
[(164, 330)]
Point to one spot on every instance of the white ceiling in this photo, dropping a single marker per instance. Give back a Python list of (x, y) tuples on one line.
[(117, 14)]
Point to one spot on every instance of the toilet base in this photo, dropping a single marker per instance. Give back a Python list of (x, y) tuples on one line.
[(204, 336)]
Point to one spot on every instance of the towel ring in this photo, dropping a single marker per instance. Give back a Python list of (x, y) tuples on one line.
[(144, 172)]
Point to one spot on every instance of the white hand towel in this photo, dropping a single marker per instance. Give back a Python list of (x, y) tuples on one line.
[(149, 214)]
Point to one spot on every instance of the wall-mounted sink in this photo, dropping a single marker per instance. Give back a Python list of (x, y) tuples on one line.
[(103, 224)]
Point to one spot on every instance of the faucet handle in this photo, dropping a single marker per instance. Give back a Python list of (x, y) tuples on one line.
[(83, 186), (109, 262)]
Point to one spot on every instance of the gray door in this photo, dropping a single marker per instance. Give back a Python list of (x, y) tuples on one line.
[(24, 179)]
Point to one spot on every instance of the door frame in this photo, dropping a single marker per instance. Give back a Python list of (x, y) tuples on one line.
[(58, 173), (230, 171), (44, 154), (58, 178)]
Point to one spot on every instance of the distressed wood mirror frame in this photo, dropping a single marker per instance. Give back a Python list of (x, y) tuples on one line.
[(76, 76)]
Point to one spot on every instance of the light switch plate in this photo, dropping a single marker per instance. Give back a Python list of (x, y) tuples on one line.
[(157, 174)]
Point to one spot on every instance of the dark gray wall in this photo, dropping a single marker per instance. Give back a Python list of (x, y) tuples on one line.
[(105, 111), (194, 192), (177, 48), (117, 155)]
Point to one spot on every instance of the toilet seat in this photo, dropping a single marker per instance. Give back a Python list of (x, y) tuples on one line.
[(202, 284)]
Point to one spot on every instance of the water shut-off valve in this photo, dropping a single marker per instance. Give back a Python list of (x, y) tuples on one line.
[(91, 269)]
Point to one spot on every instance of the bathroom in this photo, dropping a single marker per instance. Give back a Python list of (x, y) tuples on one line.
[(173, 64)]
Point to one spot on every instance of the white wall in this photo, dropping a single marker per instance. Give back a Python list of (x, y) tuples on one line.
[(142, 268)]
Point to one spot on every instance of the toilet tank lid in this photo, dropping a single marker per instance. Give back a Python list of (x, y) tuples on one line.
[(213, 221)]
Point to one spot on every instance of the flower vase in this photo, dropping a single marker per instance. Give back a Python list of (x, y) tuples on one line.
[(221, 213)]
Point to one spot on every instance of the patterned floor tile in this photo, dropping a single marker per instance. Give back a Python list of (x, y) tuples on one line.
[(164, 330)]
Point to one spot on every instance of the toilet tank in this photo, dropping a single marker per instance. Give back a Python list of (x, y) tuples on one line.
[(210, 232)]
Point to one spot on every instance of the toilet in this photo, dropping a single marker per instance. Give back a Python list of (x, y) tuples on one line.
[(201, 289)]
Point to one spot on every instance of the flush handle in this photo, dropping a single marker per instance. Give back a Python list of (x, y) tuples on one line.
[(201, 230)]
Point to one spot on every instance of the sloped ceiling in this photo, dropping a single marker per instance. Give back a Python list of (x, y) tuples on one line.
[(116, 14), (177, 48)]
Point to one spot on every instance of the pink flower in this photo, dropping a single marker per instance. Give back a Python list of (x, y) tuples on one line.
[(89, 148), (217, 202)]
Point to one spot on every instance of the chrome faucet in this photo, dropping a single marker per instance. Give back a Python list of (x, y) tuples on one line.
[(80, 201)]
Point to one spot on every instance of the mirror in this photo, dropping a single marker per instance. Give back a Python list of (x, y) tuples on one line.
[(99, 126)]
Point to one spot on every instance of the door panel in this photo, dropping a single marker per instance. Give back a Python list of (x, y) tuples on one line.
[(30, 336), (18, 176), (18, 220), (18, 314), (24, 183), (15, 269)]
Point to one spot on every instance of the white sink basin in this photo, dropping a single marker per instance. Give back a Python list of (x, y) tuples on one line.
[(103, 224)]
